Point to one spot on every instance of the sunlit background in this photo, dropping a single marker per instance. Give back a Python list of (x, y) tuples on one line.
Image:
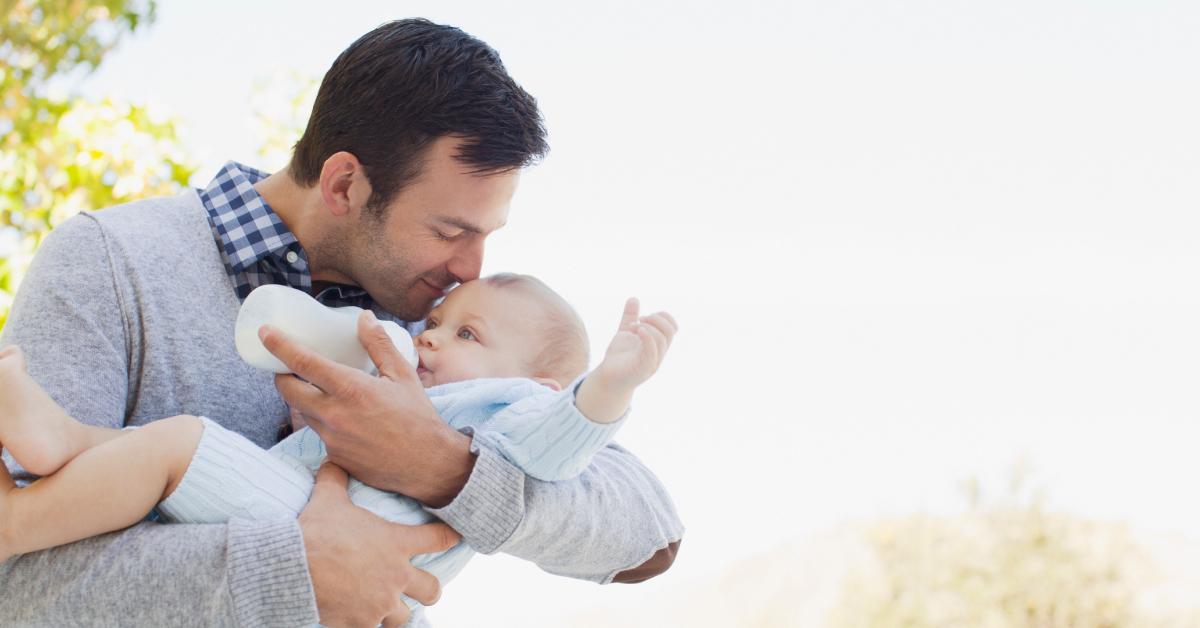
[(934, 265)]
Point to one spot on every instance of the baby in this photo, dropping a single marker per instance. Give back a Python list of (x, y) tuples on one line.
[(502, 356)]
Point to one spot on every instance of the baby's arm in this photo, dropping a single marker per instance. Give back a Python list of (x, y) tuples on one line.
[(553, 437), (632, 357)]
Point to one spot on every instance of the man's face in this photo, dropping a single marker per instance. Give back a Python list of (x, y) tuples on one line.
[(480, 330), (432, 233)]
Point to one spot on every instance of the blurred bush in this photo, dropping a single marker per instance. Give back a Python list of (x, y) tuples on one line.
[(1009, 564), (998, 569), (61, 155)]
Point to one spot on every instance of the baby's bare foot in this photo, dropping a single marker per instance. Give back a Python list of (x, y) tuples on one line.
[(38, 433)]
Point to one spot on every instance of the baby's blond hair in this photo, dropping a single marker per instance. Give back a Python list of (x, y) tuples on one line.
[(563, 354)]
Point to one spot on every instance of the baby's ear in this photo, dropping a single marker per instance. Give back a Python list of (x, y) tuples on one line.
[(546, 381)]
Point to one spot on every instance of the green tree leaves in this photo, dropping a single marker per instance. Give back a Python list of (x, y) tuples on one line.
[(63, 155)]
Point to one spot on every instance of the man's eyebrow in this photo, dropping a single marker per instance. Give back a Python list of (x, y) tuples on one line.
[(464, 225)]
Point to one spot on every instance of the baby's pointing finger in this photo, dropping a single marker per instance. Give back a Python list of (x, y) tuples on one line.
[(629, 316)]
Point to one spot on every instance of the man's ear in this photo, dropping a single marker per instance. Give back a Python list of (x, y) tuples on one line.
[(344, 185), (546, 381)]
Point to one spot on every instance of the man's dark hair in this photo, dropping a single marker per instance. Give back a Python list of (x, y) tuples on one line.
[(403, 85)]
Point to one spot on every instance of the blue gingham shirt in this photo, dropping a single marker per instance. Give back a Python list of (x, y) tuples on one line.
[(258, 249)]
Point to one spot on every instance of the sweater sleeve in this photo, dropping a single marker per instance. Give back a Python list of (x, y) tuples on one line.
[(613, 516), (74, 324), (68, 319), (547, 436)]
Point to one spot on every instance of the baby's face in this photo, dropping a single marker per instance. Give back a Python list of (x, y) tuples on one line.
[(479, 330)]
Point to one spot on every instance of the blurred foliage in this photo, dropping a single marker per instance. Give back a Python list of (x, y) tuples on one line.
[(61, 155), (281, 104), (1008, 564), (998, 569)]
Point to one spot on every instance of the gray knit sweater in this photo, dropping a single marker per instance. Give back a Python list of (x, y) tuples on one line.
[(126, 316)]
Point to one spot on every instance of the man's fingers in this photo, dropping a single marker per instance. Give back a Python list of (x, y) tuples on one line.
[(397, 619), (300, 395), (630, 315), (323, 373), (425, 539), (428, 538), (423, 587), (297, 419), (6, 481), (331, 483), (379, 346)]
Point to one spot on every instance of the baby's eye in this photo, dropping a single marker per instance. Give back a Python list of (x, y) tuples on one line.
[(430, 324), (466, 334)]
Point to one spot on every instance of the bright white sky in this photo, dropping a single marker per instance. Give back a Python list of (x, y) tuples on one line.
[(906, 242)]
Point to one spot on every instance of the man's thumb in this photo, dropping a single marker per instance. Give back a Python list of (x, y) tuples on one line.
[(332, 482), (375, 339)]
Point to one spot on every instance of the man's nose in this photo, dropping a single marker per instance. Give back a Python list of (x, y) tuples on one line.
[(466, 265)]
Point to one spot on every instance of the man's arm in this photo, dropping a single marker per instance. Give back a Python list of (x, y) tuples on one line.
[(161, 575), (614, 523)]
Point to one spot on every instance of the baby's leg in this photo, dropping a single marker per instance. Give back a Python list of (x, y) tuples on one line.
[(39, 434), (108, 487)]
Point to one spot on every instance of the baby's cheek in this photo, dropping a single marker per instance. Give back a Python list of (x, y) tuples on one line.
[(471, 370), (459, 368), (483, 364)]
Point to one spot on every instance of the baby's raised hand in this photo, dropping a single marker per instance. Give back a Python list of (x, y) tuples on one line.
[(638, 347)]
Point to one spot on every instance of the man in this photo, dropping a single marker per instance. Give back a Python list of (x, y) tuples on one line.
[(409, 161)]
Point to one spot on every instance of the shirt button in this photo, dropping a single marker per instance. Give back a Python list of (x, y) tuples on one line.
[(291, 257)]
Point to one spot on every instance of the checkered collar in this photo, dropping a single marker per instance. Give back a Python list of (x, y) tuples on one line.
[(258, 248)]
